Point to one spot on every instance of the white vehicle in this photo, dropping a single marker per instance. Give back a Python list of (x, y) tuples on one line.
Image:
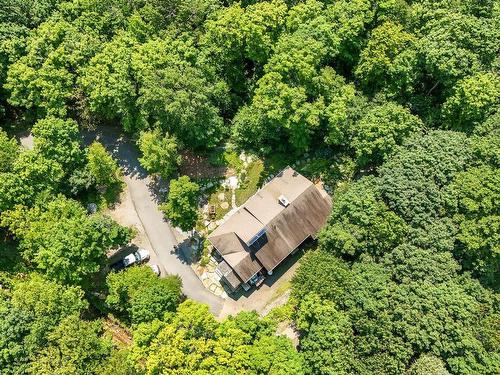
[(155, 268), (137, 257)]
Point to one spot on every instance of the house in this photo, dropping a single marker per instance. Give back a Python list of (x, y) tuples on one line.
[(270, 225)]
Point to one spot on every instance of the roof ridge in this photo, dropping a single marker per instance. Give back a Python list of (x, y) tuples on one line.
[(250, 212)]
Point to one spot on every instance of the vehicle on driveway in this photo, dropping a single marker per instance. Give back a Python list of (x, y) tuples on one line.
[(155, 268), (137, 257)]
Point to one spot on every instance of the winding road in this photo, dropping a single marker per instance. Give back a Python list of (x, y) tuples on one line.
[(161, 236), (158, 231)]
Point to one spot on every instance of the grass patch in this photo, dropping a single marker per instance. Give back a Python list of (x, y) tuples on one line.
[(282, 289), (282, 313), (276, 162), (225, 158), (251, 182), (214, 200)]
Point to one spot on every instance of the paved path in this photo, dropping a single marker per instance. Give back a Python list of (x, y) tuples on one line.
[(159, 232), (162, 238)]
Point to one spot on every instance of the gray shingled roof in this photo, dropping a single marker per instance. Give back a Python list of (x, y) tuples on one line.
[(229, 275), (237, 254), (286, 227)]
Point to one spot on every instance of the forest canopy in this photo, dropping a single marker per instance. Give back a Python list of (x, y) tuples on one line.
[(394, 103)]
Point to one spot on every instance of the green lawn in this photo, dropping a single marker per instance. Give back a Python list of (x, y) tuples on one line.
[(276, 162), (214, 199), (252, 182)]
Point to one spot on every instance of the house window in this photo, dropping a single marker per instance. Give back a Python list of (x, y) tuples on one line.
[(257, 241)]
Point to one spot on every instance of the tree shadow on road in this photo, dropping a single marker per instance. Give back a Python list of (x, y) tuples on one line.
[(158, 189), (184, 252), (121, 147)]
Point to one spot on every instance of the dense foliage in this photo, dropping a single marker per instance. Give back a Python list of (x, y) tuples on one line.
[(192, 341), (138, 295), (396, 100), (390, 259), (181, 206)]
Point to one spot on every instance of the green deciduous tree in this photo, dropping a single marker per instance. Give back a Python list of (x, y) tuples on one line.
[(44, 79), (429, 365), (361, 222), (323, 274), (380, 130), (32, 177), (159, 153), (455, 45), (34, 307), (62, 241), (103, 167), (12, 38), (409, 263), (326, 337), (59, 140), (474, 196), (74, 347), (108, 81), (388, 61), (176, 95), (181, 206), (29, 13), (236, 35), (139, 295), (474, 98), (280, 111), (398, 309), (9, 150), (192, 341), (414, 178), (345, 106), (13, 191), (350, 19)]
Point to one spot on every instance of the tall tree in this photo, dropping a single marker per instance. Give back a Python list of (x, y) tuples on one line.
[(74, 347), (59, 140), (474, 197), (380, 130), (44, 79), (176, 95), (62, 241), (103, 167), (159, 153), (413, 180), (193, 341), (9, 150), (181, 206), (474, 98), (388, 61), (109, 83), (138, 295), (361, 222), (33, 308), (326, 337)]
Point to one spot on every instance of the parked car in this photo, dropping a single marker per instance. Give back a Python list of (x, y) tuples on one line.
[(155, 268), (140, 256)]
